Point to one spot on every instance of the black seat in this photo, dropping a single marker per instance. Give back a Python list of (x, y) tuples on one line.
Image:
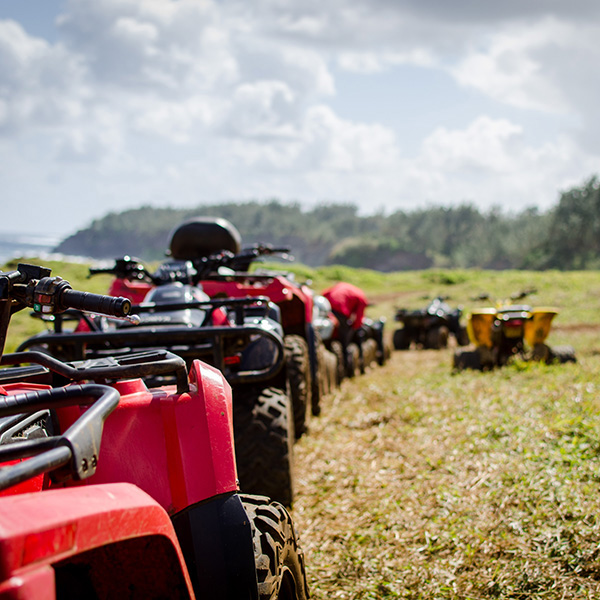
[(203, 236)]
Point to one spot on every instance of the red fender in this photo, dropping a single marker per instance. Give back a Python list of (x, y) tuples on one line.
[(134, 290), (176, 447), (117, 531)]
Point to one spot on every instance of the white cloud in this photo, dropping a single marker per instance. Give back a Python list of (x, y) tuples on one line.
[(335, 144), (322, 143), (204, 99), (489, 163), (175, 122), (511, 68), (262, 110), (169, 47), (486, 144), (36, 81), (374, 62)]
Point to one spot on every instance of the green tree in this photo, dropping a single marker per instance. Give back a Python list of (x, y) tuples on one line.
[(573, 240)]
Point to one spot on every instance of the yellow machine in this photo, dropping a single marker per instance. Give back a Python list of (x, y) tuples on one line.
[(508, 330)]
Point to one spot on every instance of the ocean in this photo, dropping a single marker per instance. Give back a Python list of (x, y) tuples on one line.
[(14, 244)]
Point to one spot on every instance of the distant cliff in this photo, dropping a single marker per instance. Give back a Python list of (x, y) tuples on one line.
[(145, 232)]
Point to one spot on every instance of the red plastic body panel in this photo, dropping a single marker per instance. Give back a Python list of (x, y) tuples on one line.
[(134, 290), (40, 530), (35, 484), (295, 303), (176, 447), (17, 388)]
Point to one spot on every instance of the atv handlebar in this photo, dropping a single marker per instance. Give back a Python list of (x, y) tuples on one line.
[(78, 447), (242, 261), (101, 271), (125, 267), (514, 296), (268, 249), (32, 286), (51, 295), (98, 303), (192, 271)]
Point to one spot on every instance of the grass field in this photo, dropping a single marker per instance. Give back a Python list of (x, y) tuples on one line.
[(423, 484), (419, 483)]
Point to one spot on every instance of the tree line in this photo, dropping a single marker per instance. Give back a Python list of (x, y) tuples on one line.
[(567, 236)]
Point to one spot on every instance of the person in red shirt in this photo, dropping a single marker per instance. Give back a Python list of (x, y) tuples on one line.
[(348, 304)]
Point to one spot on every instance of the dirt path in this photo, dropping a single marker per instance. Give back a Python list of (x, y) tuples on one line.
[(348, 470)]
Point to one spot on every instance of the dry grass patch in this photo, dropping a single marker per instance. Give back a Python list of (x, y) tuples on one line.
[(416, 483)]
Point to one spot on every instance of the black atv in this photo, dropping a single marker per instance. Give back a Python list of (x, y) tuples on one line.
[(241, 337), (430, 327)]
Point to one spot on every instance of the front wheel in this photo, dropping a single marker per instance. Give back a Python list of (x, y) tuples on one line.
[(354, 366), (436, 338), (338, 350), (462, 336), (332, 363), (279, 560), (264, 434), (561, 354), (369, 352), (467, 359), (401, 340), (299, 379), (323, 371)]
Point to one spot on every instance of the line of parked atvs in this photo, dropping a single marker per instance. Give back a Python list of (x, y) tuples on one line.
[(129, 428), (499, 333)]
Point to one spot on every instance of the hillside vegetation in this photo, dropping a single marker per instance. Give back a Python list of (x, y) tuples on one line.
[(565, 237)]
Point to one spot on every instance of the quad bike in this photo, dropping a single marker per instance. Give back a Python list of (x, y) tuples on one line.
[(197, 239), (510, 330), (241, 337), (110, 489), (430, 327), (360, 338)]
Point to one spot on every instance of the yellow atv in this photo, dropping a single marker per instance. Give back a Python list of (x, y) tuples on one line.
[(510, 330)]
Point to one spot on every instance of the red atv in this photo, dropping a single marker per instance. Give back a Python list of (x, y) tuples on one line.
[(357, 339), (113, 489), (241, 337), (200, 237)]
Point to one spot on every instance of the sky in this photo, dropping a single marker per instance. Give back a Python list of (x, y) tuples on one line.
[(390, 105)]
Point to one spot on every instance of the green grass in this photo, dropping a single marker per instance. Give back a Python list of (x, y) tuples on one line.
[(575, 293)]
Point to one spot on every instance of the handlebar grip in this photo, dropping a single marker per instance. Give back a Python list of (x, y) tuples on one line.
[(106, 305), (99, 271)]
